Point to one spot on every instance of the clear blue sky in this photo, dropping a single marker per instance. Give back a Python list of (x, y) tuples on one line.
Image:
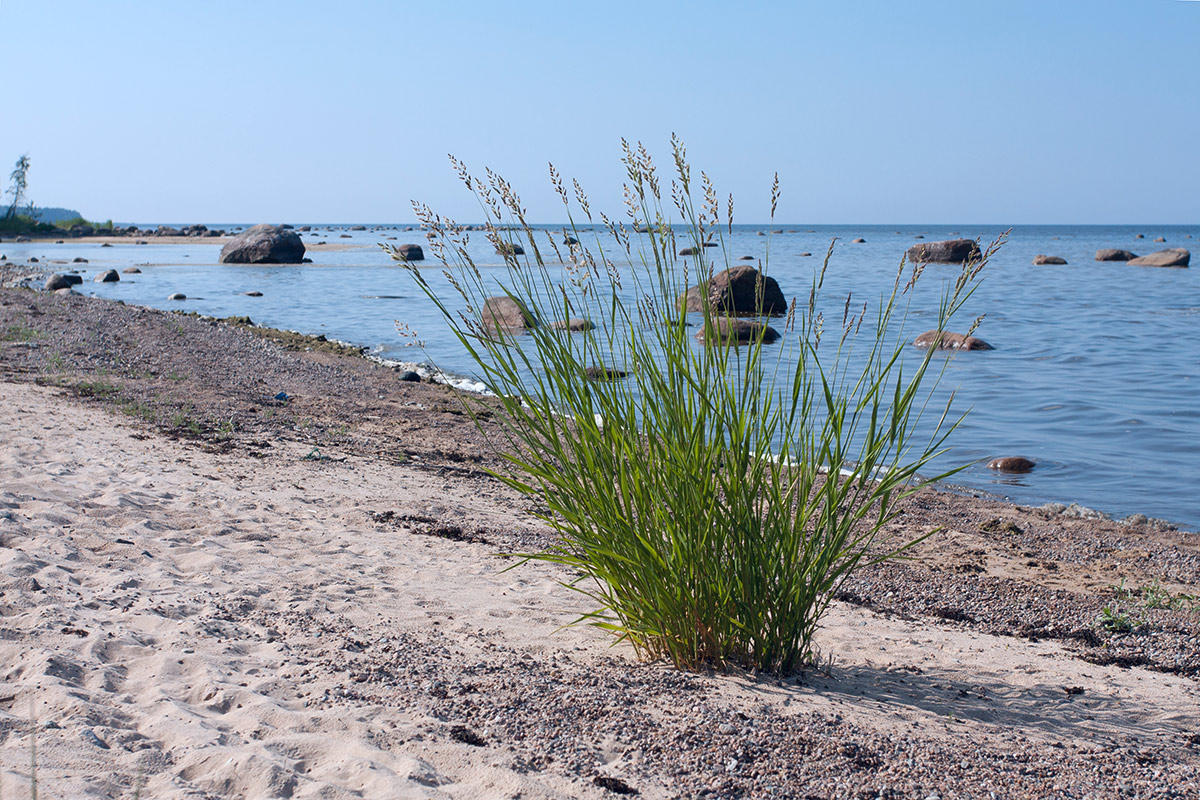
[(1022, 111)]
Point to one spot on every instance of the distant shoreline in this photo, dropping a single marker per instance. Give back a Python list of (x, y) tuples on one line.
[(219, 241)]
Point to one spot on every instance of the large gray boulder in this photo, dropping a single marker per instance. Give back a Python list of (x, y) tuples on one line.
[(735, 292), (1109, 254), (264, 244), (507, 315), (1172, 257), (951, 251)]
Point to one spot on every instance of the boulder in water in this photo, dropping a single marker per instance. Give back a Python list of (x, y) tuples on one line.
[(1040, 260), (1011, 464), (506, 315), (948, 340), (736, 292), (108, 276), (604, 374), (1172, 257), (410, 252), (730, 330), (575, 324), (1109, 254), (264, 244), (951, 251)]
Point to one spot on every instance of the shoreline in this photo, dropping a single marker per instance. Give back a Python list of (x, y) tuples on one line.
[(154, 489), (219, 241), (15, 275)]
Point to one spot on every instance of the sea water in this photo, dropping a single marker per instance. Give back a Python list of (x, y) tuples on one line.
[(1094, 374)]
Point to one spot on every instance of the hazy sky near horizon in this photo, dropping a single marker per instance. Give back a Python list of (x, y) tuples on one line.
[(872, 111)]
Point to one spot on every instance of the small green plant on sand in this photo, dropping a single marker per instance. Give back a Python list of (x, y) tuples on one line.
[(21, 333), (101, 389), (1114, 620), (184, 421), (714, 498), (1156, 596)]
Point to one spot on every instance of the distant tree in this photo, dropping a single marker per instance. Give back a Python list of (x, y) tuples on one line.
[(17, 187)]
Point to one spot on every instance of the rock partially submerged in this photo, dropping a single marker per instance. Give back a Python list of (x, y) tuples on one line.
[(264, 244), (730, 330), (949, 340), (504, 314), (1171, 257), (1040, 260), (574, 324), (56, 282), (951, 251), (738, 291), (1014, 464), (1109, 254), (604, 374), (108, 276), (410, 252)]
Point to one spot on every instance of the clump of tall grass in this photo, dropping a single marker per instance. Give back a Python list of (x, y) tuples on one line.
[(715, 499)]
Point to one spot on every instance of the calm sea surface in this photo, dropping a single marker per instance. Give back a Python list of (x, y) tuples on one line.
[(1095, 375)]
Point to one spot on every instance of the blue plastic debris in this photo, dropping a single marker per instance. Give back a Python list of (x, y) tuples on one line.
[(283, 397)]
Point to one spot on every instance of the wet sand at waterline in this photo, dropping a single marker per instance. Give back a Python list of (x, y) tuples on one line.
[(220, 594)]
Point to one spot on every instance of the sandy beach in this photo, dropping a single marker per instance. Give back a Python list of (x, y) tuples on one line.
[(206, 592)]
